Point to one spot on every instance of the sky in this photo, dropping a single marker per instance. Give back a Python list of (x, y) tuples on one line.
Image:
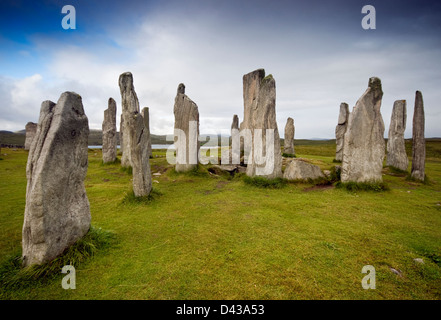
[(317, 51)]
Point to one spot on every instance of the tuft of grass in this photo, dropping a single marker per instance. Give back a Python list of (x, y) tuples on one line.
[(397, 171), (198, 171), (335, 174), (425, 182), (288, 155), (130, 197), (362, 186), (128, 170), (262, 182), (116, 161), (336, 161), (13, 276)]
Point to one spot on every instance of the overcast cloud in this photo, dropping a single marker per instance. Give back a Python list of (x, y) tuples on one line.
[(317, 52)]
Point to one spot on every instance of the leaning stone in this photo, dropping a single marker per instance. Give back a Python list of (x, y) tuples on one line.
[(364, 145), (31, 129), (418, 140), (109, 132), (289, 137), (301, 170), (340, 130), (396, 149), (57, 212)]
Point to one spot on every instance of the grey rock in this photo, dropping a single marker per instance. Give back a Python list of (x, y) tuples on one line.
[(142, 177), (31, 129), (396, 150), (109, 132), (419, 260), (130, 105), (418, 139), (146, 117), (187, 124), (234, 156), (260, 119), (299, 169), (57, 211), (289, 136), (340, 130), (364, 145)]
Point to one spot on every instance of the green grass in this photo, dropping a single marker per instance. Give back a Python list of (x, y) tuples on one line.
[(207, 236), (363, 186)]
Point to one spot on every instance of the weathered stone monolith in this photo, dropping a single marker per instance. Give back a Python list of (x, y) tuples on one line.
[(418, 139), (235, 141), (146, 117), (364, 145), (129, 105), (109, 132), (186, 131), (57, 211), (340, 130), (135, 138), (265, 157), (31, 129), (139, 142), (289, 136), (396, 149)]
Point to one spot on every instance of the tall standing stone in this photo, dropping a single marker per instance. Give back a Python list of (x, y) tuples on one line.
[(109, 132), (186, 131), (135, 137), (130, 105), (265, 157), (121, 131), (57, 211), (146, 117), (289, 137), (418, 139), (340, 130), (396, 149), (31, 129), (364, 146)]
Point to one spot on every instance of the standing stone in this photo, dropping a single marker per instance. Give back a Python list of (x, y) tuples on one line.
[(121, 130), (109, 132), (364, 146), (57, 211), (142, 176), (259, 94), (186, 131), (130, 105), (31, 129), (418, 140), (340, 130), (396, 150), (135, 137), (289, 137), (146, 117), (235, 141)]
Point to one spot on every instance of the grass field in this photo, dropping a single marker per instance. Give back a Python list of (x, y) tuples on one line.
[(207, 236)]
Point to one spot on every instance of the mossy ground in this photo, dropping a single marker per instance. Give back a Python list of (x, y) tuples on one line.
[(208, 236)]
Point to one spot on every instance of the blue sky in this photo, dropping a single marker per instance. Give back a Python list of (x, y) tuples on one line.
[(316, 50)]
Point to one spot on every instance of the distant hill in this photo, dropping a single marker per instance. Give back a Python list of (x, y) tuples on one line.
[(17, 139)]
